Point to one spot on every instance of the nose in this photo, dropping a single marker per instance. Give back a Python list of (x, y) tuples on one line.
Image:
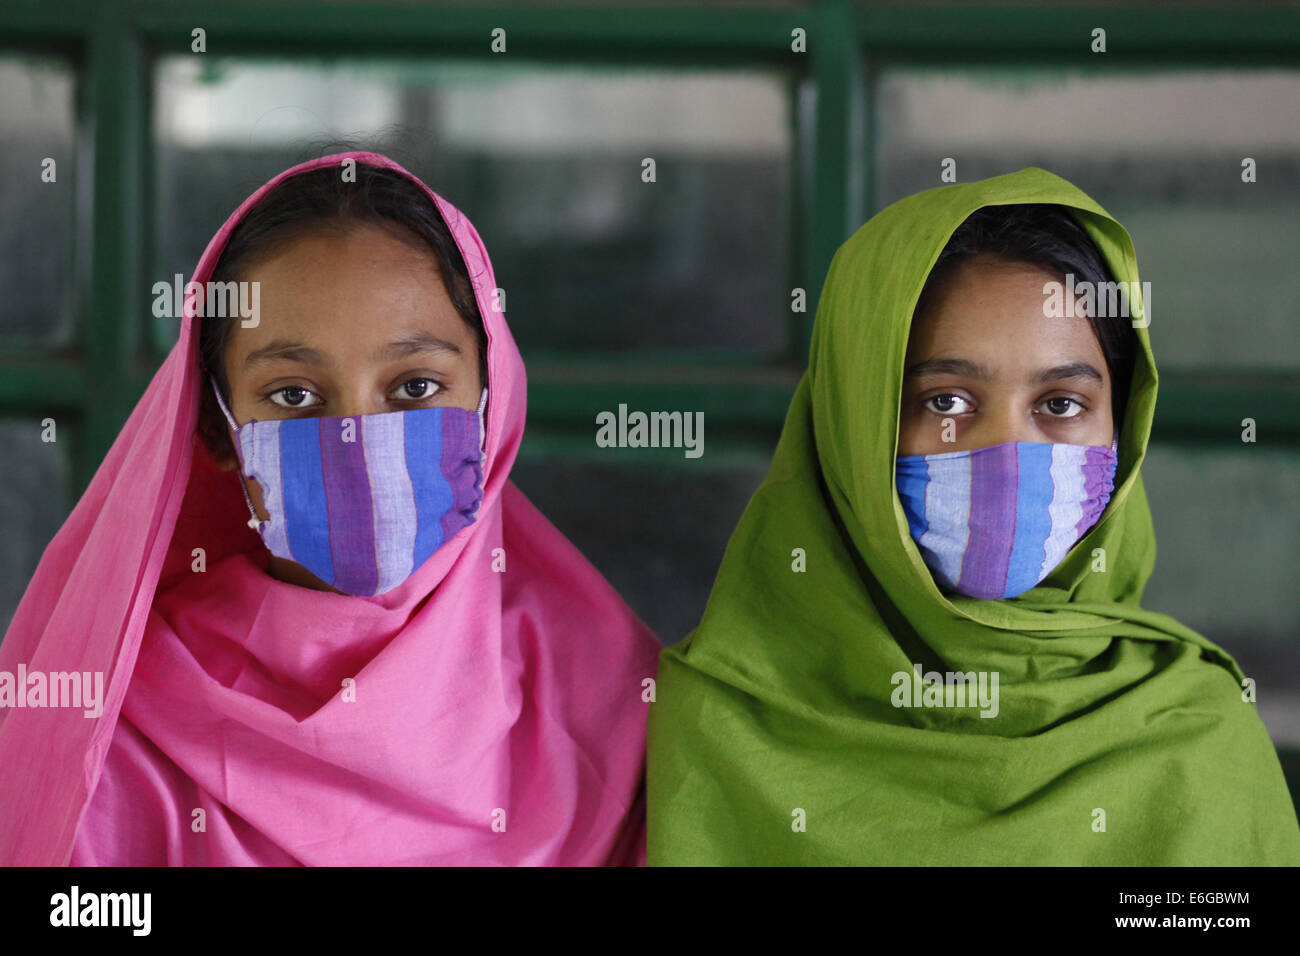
[(1000, 423), (357, 399)]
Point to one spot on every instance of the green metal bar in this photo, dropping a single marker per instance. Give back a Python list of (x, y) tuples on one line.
[(748, 404), (653, 360), (1148, 30), (1137, 33), (147, 346), (1209, 409), (838, 156), (720, 449), (113, 97), (40, 384), (798, 185), (868, 136), (26, 20), (531, 31), (1130, 65)]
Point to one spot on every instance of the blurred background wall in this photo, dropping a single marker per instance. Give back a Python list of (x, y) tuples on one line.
[(677, 294)]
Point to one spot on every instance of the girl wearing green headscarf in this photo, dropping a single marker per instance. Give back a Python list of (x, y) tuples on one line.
[(925, 644)]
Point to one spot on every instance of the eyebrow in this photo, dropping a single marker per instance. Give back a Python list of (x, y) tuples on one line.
[(414, 343), (1071, 370), (401, 347), (284, 350), (969, 369), (949, 366)]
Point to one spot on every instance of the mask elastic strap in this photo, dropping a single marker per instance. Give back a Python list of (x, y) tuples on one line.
[(254, 521), (482, 419), (225, 411)]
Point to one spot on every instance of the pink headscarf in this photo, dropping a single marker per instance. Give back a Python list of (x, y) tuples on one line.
[(498, 716)]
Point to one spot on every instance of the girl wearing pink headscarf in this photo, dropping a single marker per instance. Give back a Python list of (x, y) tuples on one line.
[(329, 628)]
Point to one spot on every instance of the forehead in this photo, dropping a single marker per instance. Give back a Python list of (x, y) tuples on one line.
[(349, 284), (331, 249), (994, 310)]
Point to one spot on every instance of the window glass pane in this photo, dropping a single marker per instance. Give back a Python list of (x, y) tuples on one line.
[(1228, 545), (37, 285), (656, 532), (546, 161), (34, 502), (1163, 153)]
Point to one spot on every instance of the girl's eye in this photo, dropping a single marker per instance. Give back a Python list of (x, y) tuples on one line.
[(418, 388), (294, 396), (1062, 407), (947, 404)]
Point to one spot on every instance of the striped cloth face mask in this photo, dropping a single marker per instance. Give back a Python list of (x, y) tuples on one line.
[(361, 502), (993, 522)]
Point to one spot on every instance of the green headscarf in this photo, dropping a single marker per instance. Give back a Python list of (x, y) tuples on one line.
[(1121, 738)]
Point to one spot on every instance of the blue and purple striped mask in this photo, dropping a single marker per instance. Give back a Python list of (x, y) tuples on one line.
[(361, 502), (993, 522)]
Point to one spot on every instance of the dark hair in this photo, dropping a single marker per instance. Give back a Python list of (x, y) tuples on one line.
[(321, 197), (1047, 236)]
